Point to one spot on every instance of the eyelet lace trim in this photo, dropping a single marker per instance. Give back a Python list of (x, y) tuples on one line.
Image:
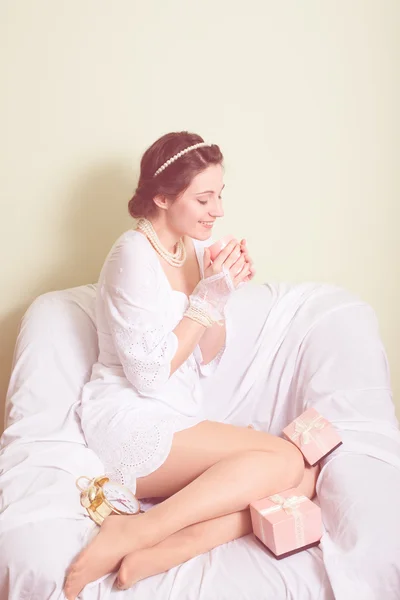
[(144, 356), (135, 450)]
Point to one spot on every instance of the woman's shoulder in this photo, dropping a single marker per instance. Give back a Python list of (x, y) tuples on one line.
[(132, 249), (131, 242), (133, 237), (131, 268)]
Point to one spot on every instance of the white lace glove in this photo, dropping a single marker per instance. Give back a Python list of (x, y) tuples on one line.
[(212, 293)]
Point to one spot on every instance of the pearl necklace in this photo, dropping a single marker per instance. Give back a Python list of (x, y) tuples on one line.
[(175, 259)]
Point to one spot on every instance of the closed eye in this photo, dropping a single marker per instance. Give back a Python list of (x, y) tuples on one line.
[(205, 201)]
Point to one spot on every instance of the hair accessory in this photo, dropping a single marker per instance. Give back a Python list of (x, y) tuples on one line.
[(181, 153)]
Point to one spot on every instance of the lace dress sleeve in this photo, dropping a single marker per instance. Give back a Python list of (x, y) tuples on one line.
[(134, 303), (209, 368)]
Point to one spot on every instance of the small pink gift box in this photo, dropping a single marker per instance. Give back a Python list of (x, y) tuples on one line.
[(314, 435), (287, 522)]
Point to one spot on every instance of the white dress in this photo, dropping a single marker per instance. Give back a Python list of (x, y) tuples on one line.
[(131, 406)]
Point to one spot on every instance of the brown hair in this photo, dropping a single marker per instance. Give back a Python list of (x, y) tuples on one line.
[(175, 178)]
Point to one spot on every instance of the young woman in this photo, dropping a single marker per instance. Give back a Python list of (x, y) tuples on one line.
[(160, 319)]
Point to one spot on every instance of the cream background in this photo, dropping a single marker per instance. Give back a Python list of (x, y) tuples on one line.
[(303, 98)]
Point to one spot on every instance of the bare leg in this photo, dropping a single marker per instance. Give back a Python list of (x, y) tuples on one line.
[(213, 469), (194, 540), (182, 546)]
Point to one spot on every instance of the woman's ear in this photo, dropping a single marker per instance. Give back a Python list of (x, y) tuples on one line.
[(161, 201)]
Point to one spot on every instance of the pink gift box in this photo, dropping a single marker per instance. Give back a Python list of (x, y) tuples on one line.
[(286, 522), (314, 435)]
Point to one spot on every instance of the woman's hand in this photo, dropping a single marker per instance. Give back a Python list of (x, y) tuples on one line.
[(232, 259), (249, 261), (213, 291)]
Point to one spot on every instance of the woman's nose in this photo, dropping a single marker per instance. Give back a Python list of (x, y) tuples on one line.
[(217, 209)]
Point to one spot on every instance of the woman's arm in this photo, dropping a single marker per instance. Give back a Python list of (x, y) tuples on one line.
[(212, 341), (188, 333), (134, 304)]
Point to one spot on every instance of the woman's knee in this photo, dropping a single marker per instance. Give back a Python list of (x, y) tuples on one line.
[(293, 465)]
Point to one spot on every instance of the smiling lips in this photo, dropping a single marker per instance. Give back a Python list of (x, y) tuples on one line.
[(207, 223)]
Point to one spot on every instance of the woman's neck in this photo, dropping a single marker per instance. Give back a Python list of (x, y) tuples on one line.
[(167, 237)]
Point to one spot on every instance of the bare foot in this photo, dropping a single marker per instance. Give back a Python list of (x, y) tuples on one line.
[(139, 565), (182, 546), (118, 536), (174, 550)]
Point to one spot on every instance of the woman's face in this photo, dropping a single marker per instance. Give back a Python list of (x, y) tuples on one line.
[(196, 210)]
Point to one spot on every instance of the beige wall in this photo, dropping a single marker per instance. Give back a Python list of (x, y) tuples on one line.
[(303, 98)]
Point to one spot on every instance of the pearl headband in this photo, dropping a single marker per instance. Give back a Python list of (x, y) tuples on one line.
[(181, 153)]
